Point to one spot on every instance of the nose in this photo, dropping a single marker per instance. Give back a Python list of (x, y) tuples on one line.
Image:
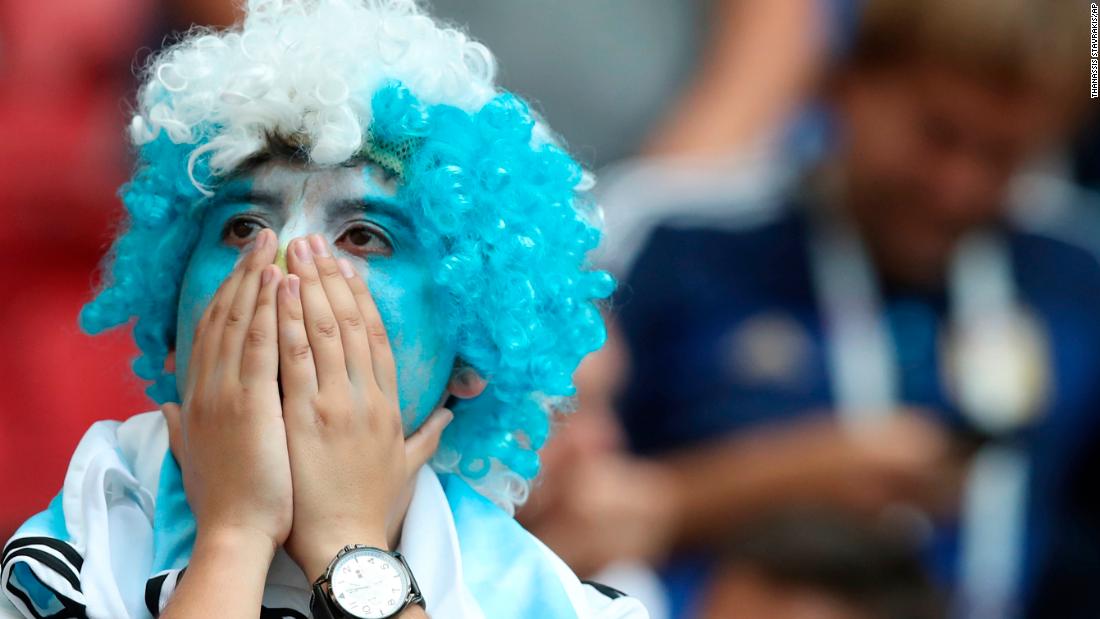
[(280, 257), (298, 225), (284, 247)]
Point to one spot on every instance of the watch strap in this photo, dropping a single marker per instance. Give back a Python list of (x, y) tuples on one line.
[(319, 605), (415, 596)]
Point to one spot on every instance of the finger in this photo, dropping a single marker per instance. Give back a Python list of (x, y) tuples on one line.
[(260, 356), (335, 275), (296, 369), (213, 321), (320, 322), (385, 373), (171, 412), (421, 445), (238, 318)]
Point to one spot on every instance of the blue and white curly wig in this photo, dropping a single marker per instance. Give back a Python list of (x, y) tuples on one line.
[(505, 208)]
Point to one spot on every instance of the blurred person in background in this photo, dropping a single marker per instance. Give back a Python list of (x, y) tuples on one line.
[(819, 565), (64, 78), (599, 508), (623, 78), (887, 344)]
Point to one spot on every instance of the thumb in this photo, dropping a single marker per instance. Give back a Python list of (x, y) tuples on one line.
[(171, 412), (420, 446)]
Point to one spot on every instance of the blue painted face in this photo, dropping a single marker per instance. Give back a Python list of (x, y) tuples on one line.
[(356, 210)]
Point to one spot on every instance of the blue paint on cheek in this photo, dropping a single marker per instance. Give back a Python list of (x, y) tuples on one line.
[(424, 358), (210, 263)]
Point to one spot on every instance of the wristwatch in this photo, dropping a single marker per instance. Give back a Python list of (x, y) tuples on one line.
[(364, 582)]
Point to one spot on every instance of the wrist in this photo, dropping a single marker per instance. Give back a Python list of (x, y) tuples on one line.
[(225, 576), (228, 555), (230, 541)]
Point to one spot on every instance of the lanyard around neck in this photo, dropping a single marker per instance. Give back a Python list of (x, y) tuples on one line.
[(985, 379)]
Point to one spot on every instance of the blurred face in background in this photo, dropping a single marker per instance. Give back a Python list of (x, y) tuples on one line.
[(592, 433), (929, 152), (741, 593)]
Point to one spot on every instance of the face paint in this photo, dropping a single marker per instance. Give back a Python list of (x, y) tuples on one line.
[(356, 210)]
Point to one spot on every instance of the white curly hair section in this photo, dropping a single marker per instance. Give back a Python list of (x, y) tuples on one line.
[(304, 68)]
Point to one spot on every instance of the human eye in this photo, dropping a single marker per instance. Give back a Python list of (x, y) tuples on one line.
[(363, 239), (240, 230)]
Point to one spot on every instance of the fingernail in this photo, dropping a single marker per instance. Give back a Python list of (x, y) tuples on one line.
[(301, 251), (261, 240), (293, 284), (345, 268), (265, 277), (318, 244)]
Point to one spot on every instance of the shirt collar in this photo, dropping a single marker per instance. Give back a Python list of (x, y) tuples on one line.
[(429, 542)]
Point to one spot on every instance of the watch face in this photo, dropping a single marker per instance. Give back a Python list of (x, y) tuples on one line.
[(369, 584)]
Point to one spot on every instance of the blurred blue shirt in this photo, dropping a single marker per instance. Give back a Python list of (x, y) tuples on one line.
[(726, 335)]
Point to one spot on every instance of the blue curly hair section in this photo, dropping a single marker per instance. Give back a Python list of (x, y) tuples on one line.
[(144, 269), (499, 208)]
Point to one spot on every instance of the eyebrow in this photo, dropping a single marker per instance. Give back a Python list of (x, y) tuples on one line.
[(378, 205), (368, 204), (245, 195)]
